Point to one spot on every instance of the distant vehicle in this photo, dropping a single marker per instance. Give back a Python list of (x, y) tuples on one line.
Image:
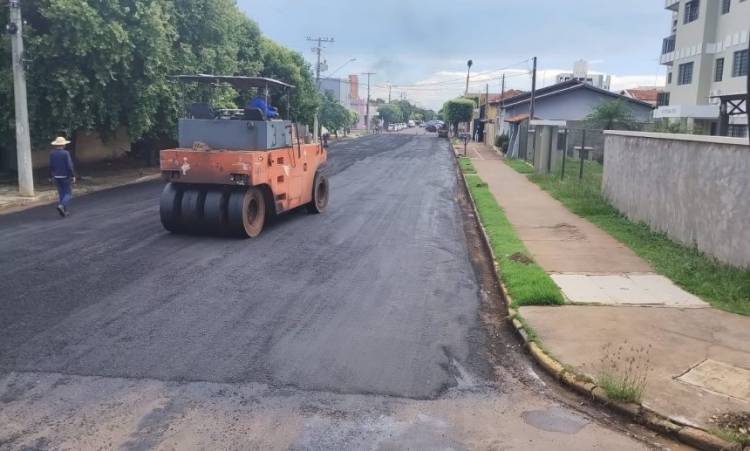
[(391, 127), (411, 124)]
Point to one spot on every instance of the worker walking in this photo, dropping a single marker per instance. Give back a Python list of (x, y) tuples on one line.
[(62, 173)]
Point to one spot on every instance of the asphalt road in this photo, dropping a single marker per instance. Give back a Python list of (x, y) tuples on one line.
[(370, 326)]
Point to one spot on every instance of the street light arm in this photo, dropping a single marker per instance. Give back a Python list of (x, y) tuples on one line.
[(342, 66)]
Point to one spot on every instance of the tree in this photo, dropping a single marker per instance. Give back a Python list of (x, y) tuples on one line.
[(390, 114), (614, 115), (290, 67), (333, 115), (105, 64), (354, 119), (458, 110)]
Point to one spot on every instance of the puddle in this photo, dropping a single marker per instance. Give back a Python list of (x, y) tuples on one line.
[(554, 419)]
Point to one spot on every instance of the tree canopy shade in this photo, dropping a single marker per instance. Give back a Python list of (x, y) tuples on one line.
[(614, 115), (458, 110), (103, 64)]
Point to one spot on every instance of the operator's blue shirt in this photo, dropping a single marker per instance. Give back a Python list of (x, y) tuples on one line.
[(60, 163), (260, 103)]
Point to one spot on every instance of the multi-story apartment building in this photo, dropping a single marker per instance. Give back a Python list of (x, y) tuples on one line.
[(707, 63), (581, 73)]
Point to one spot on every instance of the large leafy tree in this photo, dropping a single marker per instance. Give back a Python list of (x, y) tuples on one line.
[(103, 64), (289, 66), (458, 110)]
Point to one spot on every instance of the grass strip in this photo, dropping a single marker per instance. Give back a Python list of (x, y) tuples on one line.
[(723, 286), (526, 282)]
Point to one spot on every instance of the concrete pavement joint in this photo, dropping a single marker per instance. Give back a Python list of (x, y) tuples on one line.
[(690, 435)]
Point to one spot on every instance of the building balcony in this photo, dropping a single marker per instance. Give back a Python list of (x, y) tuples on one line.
[(672, 5), (667, 59)]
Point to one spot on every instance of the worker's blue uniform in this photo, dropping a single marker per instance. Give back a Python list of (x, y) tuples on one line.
[(61, 170), (260, 103)]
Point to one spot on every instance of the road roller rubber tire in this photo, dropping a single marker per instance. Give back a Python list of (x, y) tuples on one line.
[(215, 212), (320, 194), (191, 210), (169, 208), (246, 212)]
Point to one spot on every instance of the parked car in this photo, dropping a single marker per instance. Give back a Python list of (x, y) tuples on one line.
[(411, 124)]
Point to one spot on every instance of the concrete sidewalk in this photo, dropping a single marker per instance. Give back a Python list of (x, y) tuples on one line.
[(90, 180), (699, 356)]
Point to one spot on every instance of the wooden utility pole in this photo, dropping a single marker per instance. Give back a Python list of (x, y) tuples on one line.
[(23, 139), (367, 105), (318, 49), (533, 92)]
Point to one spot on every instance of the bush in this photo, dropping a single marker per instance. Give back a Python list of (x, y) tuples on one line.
[(502, 142)]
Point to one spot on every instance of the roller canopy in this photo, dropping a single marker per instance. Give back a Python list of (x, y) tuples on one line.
[(237, 82)]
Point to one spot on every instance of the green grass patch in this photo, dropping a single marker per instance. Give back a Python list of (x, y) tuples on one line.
[(466, 166), (526, 282), (721, 285), (732, 436), (520, 165)]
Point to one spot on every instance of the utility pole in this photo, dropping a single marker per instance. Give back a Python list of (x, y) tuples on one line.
[(367, 105), (533, 92), (23, 140), (318, 49), (500, 111), (468, 71), (389, 93)]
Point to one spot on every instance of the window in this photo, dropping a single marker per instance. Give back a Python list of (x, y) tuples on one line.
[(691, 11), (662, 99), (669, 78), (726, 5), (719, 71), (739, 69), (685, 74)]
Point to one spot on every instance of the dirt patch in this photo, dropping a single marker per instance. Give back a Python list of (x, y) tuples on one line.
[(568, 231), (521, 258)]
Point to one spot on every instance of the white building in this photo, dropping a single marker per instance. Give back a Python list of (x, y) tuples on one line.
[(340, 89), (707, 62), (581, 73)]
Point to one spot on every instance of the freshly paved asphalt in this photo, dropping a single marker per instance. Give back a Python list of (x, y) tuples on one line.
[(115, 333)]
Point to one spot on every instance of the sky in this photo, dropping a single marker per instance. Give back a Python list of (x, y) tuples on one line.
[(420, 47)]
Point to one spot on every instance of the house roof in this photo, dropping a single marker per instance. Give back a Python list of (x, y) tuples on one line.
[(494, 100), (646, 94), (565, 87)]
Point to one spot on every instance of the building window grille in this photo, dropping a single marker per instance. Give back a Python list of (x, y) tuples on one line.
[(691, 11), (719, 71), (667, 45), (662, 99), (669, 78), (685, 74), (726, 5), (739, 69)]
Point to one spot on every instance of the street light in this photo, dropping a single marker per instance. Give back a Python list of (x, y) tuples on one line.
[(341, 67)]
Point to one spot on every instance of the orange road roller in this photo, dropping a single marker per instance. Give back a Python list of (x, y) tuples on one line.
[(236, 168)]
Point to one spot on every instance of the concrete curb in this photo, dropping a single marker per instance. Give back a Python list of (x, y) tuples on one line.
[(50, 197), (690, 435)]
